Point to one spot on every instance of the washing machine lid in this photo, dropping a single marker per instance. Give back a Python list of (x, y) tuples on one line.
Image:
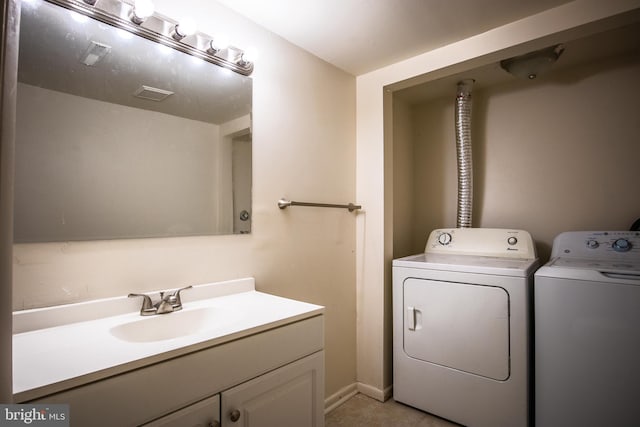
[(597, 256), (590, 270), (617, 266), (513, 267)]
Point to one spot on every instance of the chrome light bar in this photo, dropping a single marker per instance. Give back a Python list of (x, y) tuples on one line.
[(161, 29)]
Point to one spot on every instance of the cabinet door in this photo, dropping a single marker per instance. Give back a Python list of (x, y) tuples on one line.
[(289, 396), (205, 413)]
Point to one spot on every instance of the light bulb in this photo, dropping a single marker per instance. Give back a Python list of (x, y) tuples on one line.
[(217, 44), (142, 9), (221, 42), (248, 56), (184, 28)]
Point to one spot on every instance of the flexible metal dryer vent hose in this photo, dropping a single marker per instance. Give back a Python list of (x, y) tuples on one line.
[(463, 148)]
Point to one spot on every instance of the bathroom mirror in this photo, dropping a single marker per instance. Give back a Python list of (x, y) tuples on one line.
[(118, 136)]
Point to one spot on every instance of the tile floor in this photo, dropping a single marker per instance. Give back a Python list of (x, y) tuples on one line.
[(363, 411)]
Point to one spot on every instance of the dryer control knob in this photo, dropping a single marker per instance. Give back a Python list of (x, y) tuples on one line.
[(621, 245), (444, 239), (512, 240), (592, 244)]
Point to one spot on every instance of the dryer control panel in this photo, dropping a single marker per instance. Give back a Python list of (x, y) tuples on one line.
[(601, 245), (491, 242)]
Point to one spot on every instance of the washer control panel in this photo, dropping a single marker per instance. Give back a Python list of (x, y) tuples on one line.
[(493, 242), (597, 245)]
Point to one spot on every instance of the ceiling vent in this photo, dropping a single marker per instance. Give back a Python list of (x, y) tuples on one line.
[(152, 93), (95, 53)]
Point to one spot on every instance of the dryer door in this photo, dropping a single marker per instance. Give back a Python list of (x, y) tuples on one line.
[(458, 325)]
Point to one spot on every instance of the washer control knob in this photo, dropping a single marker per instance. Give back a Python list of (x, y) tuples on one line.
[(621, 245), (444, 239), (512, 240), (592, 244)]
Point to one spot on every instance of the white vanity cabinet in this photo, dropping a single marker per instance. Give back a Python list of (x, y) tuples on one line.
[(266, 368), (289, 396)]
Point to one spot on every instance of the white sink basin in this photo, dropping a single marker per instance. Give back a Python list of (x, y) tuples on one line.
[(62, 347), (171, 325)]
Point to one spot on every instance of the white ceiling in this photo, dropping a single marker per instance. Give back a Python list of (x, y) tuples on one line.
[(359, 36), (355, 35)]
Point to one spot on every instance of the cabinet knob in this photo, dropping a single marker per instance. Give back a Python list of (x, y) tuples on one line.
[(234, 415), (214, 424)]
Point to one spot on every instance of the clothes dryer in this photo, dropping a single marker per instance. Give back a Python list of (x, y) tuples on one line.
[(587, 331), (461, 326)]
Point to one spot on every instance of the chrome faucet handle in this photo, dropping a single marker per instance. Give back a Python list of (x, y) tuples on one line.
[(147, 308), (174, 299), (164, 306)]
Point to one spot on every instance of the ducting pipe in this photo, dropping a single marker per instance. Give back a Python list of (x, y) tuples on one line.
[(463, 148)]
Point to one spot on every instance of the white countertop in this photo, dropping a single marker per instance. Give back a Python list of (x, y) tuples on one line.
[(51, 359)]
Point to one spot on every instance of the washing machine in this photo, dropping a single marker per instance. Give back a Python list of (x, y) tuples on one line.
[(587, 331), (461, 326)]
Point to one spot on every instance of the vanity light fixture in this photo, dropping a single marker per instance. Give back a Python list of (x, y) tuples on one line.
[(183, 29), (138, 17), (213, 48), (217, 44), (141, 10), (242, 60), (247, 57)]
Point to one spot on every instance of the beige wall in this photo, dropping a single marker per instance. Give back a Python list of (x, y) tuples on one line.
[(551, 155), (374, 160), (436, 188), (303, 148), (404, 180)]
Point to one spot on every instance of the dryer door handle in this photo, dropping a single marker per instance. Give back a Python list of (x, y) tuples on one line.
[(413, 319)]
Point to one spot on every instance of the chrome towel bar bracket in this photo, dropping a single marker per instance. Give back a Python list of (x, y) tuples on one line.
[(284, 203)]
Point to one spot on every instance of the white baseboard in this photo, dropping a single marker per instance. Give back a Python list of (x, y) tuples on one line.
[(337, 399), (346, 393), (376, 393)]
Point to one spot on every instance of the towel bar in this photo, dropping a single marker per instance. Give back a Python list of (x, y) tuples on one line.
[(284, 203)]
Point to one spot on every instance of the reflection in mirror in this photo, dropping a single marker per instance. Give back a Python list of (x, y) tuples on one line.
[(120, 137)]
